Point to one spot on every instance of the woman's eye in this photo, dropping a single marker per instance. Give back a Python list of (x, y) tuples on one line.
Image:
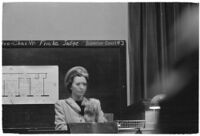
[(83, 84)]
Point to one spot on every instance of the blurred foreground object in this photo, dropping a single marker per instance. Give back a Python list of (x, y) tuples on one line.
[(179, 110)]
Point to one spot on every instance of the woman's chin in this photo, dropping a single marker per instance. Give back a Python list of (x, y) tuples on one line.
[(80, 95)]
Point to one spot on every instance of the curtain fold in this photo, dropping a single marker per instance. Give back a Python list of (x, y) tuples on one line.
[(152, 45)]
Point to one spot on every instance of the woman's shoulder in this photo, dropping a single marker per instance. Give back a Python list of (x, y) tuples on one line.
[(61, 101)]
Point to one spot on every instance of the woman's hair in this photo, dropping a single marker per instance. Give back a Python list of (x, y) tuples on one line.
[(73, 72)]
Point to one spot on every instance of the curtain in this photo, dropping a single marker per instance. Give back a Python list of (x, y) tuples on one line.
[(152, 45)]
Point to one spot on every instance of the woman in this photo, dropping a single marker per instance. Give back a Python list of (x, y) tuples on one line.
[(77, 108)]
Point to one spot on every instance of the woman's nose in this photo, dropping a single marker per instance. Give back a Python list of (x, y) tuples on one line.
[(82, 86)]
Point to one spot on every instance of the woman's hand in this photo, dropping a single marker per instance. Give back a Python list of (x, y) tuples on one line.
[(91, 111)]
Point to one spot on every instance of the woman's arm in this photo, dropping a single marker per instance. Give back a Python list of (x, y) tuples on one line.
[(60, 122), (100, 115)]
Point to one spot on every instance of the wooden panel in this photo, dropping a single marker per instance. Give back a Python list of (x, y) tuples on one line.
[(28, 116)]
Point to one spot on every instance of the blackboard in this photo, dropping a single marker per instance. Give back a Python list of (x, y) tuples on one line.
[(106, 66)]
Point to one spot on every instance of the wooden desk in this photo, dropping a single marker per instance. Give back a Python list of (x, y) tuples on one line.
[(33, 131)]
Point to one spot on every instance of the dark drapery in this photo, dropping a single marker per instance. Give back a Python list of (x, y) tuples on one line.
[(152, 45)]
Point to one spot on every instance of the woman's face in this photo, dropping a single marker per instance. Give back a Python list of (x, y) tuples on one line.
[(79, 86)]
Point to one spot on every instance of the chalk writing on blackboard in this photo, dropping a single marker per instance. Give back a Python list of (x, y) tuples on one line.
[(63, 43)]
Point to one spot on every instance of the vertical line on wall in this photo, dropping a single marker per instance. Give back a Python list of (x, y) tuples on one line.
[(163, 47), (174, 29), (145, 54), (128, 61)]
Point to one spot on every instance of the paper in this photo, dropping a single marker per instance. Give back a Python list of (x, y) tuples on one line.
[(30, 84)]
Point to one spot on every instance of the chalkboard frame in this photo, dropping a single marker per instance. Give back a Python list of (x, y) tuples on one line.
[(119, 45)]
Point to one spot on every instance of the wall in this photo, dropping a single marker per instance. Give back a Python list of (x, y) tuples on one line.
[(65, 21)]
